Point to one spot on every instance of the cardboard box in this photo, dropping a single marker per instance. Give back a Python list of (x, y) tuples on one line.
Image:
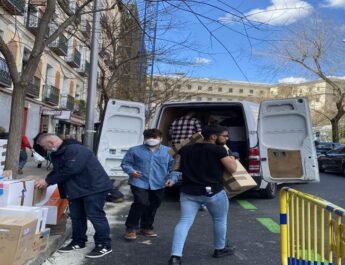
[(39, 213), (238, 182), (195, 138), (40, 242), (39, 195), (7, 174), (16, 237), (18, 192)]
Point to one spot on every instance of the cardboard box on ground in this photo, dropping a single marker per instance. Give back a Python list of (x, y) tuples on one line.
[(16, 237), (235, 183)]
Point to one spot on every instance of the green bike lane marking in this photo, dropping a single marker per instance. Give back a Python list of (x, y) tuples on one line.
[(269, 223), (246, 205)]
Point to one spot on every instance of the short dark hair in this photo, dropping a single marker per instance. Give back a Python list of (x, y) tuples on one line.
[(152, 133), (208, 130)]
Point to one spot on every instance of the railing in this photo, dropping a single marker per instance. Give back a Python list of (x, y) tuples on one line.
[(84, 69), (74, 59), (85, 27), (33, 89), (80, 107), (14, 7), (34, 19), (67, 102), (51, 95), (59, 45), (312, 229), (5, 77)]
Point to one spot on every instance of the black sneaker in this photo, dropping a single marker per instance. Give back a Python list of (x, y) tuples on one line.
[(175, 260), (227, 251), (71, 246), (99, 251)]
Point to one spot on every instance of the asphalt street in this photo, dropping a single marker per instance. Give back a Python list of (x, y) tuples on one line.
[(253, 230)]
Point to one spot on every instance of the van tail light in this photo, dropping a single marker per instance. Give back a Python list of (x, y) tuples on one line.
[(254, 161)]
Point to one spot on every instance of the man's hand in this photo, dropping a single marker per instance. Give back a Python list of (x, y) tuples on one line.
[(136, 174), (169, 183), (41, 183)]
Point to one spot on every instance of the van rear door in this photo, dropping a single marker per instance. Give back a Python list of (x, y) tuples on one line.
[(122, 128), (287, 149)]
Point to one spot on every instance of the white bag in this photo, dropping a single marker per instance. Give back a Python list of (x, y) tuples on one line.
[(38, 157)]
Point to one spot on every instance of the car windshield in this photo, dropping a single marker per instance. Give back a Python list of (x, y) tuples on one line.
[(324, 146)]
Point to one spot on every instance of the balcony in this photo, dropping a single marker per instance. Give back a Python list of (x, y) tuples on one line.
[(33, 89), (5, 77), (80, 107), (51, 95), (67, 102), (14, 7), (34, 19), (85, 28), (84, 69), (74, 59), (59, 46)]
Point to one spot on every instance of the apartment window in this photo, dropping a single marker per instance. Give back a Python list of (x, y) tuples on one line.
[(189, 87), (189, 97), (209, 99), (230, 90), (220, 89), (199, 87), (198, 98), (251, 91), (317, 99), (178, 86), (262, 92), (219, 99), (209, 88), (241, 91)]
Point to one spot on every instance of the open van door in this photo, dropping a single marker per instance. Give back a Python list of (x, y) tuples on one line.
[(287, 149), (122, 128)]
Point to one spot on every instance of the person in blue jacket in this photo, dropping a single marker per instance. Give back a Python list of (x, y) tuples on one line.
[(149, 167), (83, 181)]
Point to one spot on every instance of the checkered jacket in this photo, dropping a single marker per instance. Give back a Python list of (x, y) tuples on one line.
[(183, 128)]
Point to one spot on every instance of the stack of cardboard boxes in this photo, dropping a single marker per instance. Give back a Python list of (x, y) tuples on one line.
[(24, 213)]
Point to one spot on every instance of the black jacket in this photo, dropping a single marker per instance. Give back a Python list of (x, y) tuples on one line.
[(77, 171)]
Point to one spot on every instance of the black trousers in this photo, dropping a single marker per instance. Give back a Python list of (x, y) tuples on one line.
[(143, 208)]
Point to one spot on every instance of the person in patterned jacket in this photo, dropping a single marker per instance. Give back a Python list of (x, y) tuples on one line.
[(184, 127)]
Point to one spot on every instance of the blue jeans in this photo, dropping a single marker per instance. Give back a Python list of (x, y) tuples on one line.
[(23, 157), (217, 205), (90, 207)]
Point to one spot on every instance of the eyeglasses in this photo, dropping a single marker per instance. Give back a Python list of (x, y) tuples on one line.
[(225, 135)]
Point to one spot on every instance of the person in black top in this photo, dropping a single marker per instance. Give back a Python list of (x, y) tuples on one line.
[(202, 166)]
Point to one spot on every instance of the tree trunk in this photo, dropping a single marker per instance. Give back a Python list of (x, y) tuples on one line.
[(16, 124), (335, 130)]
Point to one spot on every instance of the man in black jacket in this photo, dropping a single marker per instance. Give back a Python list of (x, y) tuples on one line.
[(83, 181)]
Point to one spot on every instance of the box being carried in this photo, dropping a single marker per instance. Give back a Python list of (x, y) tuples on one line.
[(195, 138), (16, 237), (238, 182)]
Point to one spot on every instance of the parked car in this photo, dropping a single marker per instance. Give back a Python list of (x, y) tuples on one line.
[(323, 147), (333, 160)]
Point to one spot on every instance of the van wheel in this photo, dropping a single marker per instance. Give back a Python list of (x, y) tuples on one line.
[(270, 191)]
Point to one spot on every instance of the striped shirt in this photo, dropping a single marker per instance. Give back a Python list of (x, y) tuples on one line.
[(183, 128)]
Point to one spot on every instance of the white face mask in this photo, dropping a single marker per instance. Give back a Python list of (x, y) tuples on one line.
[(152, 142)]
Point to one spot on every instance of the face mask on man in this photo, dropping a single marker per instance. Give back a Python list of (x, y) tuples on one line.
[(152, 142)]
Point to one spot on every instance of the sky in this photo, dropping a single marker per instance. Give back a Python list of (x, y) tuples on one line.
[(216, 43)]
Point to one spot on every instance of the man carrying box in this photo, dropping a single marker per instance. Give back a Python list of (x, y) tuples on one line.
[(203, 165), (83, 181)]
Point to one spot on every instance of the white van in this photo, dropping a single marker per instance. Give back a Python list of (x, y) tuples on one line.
[(274, 140)]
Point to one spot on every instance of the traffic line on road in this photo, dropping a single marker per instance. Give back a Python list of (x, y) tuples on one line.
[(246, 205), (270, 224)]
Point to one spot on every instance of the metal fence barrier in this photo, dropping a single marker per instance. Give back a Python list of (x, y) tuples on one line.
[(312, 230)]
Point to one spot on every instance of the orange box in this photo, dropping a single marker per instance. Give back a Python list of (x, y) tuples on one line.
[(56, 208)]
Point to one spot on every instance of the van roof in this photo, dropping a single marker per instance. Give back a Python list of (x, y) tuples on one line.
[(189, 103)]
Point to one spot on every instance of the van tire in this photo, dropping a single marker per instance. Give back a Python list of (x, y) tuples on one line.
[(270, 191)]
